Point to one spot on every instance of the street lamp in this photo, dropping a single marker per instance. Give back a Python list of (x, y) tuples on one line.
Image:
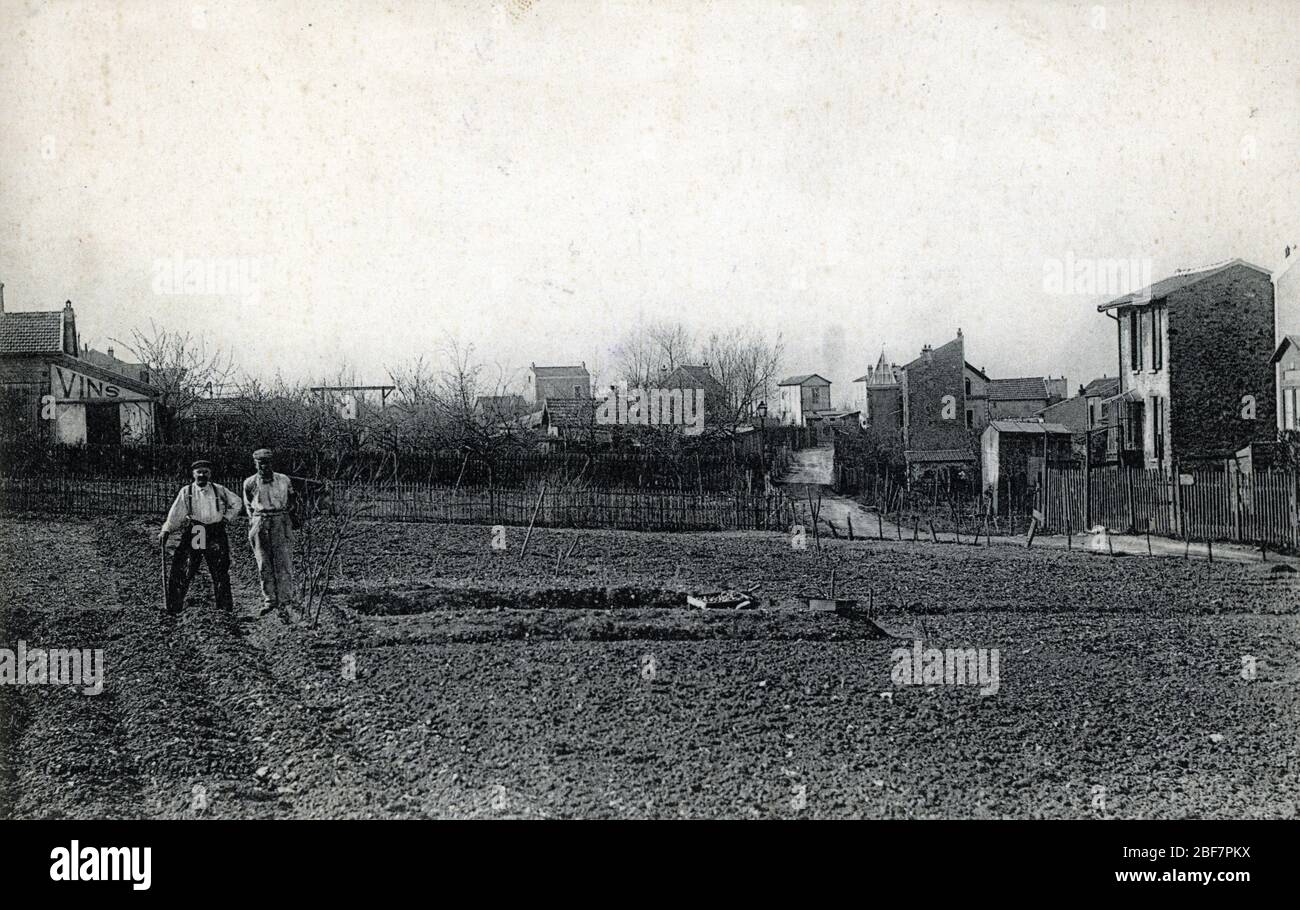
[(761, 411)]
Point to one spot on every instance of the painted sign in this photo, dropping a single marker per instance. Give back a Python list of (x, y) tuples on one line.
[(69, 385)]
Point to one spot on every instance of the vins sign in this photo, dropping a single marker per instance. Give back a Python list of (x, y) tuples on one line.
[(69, 385)]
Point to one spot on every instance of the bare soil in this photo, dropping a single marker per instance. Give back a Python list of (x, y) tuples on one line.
[(450, 679)]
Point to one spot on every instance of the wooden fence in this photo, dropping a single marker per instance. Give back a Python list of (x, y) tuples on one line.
[(1206, 502), (640, 510), (719, 464)]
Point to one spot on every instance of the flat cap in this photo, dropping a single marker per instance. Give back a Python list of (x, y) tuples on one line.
[(201, 463), (263, 453)]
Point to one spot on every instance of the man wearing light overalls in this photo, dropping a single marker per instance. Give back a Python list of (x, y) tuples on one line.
[(270, 499), (200, 513)]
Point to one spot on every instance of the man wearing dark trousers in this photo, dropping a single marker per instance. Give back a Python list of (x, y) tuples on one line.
[(200, 513)]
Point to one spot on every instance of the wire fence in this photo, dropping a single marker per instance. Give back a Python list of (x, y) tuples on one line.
[(637, 510)]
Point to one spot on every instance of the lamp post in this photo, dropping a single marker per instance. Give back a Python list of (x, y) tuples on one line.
[(761, 411)]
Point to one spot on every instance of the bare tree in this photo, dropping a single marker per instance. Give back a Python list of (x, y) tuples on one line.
[(747, 365), (647, 350), (182, 367)]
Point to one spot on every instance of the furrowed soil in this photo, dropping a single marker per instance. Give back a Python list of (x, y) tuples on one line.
[(452, 679)]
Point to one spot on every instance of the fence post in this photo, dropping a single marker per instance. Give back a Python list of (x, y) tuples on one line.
[(1292, 484), (1087, 482), (1128, 484), (1177, 480), (1234, 496)]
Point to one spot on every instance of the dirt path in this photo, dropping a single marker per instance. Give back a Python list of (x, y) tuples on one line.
[(813, 465)]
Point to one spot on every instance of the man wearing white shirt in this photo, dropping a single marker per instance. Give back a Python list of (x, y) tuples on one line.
[(200, 513), (271, 500)]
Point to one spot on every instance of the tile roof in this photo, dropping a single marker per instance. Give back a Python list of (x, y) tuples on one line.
[(571, 412), (31, 332), (1167, 286), (802, 378), (1105, 387), (556, 372), (113, 364), (1022, 389), (698, 373), (938, 455), (1029, 426)]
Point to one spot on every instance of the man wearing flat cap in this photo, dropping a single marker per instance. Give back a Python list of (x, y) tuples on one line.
[(270, 499), (200, 513)]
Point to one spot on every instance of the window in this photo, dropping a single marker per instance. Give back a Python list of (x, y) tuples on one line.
[(1144, 336), (970, 415), (1290, 401), (1158, 427), (1134, 341), (967, 385), (577, 391), (1134, 427), (1157, 338)]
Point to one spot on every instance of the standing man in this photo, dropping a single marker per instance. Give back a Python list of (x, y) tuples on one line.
[(270, 499), (200, 512)]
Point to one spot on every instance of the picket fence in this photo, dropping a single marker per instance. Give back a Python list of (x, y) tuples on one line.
[(1211, 501)]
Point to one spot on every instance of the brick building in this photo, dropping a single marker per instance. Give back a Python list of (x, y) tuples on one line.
[(52, 393), (935, 437), (1196, 378)]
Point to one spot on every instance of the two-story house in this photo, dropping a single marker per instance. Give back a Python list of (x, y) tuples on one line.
[(1195, 379), (546, 383), (800, 396)]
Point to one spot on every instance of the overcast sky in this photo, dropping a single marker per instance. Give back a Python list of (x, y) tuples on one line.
[(534, 178)]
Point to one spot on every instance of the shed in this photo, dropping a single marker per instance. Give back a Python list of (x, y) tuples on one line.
[(1013, 457)]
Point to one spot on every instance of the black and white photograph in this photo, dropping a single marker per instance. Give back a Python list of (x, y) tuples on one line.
[(697, 410)]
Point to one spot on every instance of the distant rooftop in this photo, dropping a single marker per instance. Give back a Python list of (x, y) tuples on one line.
[(1029, 426), (555, 372), (1022, 389), (802, 378)]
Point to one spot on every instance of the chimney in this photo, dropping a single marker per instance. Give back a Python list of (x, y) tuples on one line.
[(70, 330), (110, 350), (2, 296), (927, 352)]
